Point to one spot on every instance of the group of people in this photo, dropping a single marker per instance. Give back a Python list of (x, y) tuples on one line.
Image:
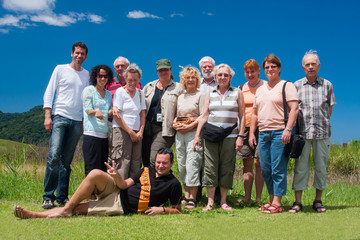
[(210, 121)]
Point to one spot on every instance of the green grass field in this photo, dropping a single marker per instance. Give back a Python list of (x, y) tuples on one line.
[(21, 182)]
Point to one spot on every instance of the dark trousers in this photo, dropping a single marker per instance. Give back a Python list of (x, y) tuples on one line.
[(95, 151)]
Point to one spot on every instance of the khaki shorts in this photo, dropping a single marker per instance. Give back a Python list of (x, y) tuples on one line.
[(246, 151), (108, 202)]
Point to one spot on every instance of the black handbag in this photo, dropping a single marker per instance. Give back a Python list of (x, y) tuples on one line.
[(297, 142), (214, 133)]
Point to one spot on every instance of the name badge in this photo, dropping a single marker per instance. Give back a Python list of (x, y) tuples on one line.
[(159, 117)]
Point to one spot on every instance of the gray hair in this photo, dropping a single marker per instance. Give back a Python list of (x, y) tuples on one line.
[(126, 60), (133, 68), (206, 59), (311, 53), (222, 65)]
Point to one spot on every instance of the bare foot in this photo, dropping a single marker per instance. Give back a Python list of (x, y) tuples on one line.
[(60, 214)]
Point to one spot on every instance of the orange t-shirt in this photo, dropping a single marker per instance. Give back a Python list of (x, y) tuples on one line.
[(270, 107), (249, 96)]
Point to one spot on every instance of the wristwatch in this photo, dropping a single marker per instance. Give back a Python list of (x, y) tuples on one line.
[(289, 129)]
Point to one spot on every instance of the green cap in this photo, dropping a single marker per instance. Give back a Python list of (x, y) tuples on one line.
[(163, 63)]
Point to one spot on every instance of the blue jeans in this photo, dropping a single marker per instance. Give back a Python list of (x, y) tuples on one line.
[(273, 161), (63, 140)]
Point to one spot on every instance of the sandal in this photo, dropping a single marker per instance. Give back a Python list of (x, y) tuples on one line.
[(18, 212), (207, 208), (318, 208), (191, 203), (263, 208), (277, 209), (225, 207), (296, 204), (184, 201)]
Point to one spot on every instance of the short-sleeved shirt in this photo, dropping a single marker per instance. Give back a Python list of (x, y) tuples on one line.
[(206, 87), (130, 107), (315, 101), (150, 191), (270, 106), (190, 105), (249, 96)]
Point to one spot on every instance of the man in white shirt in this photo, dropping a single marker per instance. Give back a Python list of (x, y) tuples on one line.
[(208, 81), (64, 122)]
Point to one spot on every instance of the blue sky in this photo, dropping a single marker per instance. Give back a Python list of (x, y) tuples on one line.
[(36, 35)]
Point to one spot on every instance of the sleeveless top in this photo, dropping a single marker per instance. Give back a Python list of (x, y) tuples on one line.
[(224, 112)]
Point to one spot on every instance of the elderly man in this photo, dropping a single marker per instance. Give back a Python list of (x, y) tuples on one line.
[(160, 97), (63, 118), (208, 81), (120, 65), (144, 192), (316, 98)]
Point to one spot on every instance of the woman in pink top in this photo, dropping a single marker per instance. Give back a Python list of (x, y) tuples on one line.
[(268, 115), (248, 154)]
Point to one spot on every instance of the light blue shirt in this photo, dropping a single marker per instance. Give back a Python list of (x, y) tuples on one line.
[(92, 100)]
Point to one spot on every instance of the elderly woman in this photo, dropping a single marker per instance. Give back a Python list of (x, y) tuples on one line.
[(248, 154), (128, 125), (268, 115), (189, 108), (160, 97), (223, 107), (97, 107)]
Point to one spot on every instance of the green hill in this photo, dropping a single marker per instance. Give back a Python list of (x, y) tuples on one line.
[(28, 125)]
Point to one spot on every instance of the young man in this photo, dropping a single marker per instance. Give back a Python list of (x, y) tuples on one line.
[(63, 118), (145, 192)]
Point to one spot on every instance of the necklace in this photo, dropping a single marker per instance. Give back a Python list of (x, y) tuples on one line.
[(253, 86)]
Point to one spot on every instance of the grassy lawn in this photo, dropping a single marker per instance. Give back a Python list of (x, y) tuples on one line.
[(340, 222), (21, 183)]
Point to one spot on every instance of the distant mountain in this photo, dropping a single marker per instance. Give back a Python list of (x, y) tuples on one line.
[(28, 125)]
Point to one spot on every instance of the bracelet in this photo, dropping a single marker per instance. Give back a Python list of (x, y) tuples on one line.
[(242, 136), (289, 129), (163, 210)]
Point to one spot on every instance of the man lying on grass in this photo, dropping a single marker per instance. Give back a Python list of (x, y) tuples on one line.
[(144, 192)]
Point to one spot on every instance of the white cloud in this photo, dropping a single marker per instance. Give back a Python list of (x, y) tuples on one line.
[(59, 20), (176, 15), (14, 21), (208, 13), (29, 5), (141, 14), (41, 11), (95, 18)]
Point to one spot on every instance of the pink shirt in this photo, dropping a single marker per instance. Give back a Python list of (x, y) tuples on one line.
[(269, 105)]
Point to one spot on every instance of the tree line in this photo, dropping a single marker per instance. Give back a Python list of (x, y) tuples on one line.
[(28, 126)]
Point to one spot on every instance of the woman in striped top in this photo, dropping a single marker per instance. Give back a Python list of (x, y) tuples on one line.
[(223, 107)]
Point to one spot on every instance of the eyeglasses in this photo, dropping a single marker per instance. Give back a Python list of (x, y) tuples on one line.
[(269, 67), (102, 76)]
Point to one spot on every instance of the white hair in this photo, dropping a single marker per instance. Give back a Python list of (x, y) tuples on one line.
[(222, 65), (311, 53), (133, 68), (206, 59), (126, 60)]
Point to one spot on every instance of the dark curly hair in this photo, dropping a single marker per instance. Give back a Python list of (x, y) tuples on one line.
[(95, 70)]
